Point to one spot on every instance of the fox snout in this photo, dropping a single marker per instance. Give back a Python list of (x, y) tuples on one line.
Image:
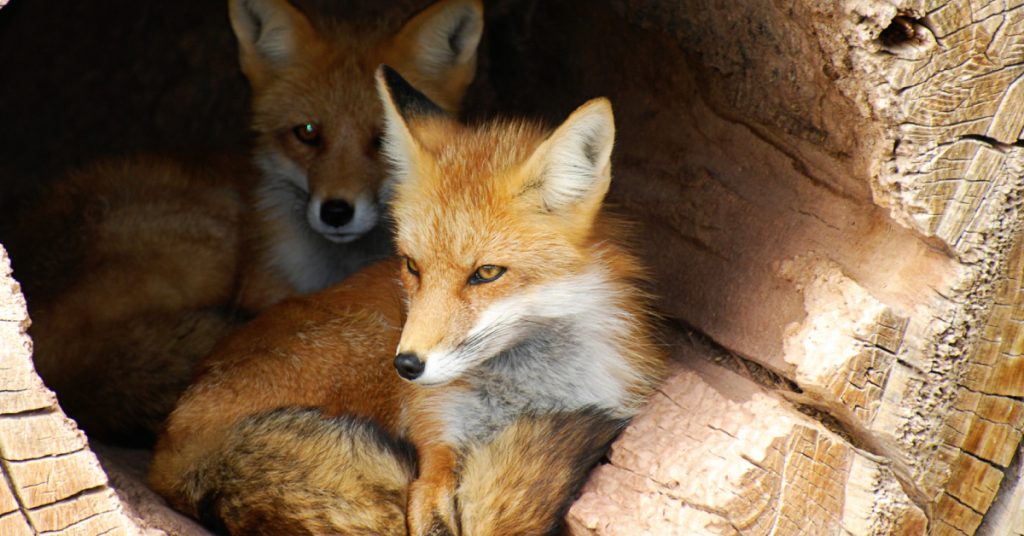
[(342, 220), (336, 212), (409, 365)]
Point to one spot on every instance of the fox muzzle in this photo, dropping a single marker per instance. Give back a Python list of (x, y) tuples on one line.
[(409, 365)]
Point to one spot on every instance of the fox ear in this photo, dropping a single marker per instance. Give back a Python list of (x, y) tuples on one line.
[(573, 166), (437, 49), (402, 103), (271, 34)]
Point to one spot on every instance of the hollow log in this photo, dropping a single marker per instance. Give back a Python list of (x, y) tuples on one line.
[(836, 208), (828, 195)]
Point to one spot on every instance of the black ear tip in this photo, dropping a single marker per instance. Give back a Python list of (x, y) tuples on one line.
[(390, 77), (409, 100)]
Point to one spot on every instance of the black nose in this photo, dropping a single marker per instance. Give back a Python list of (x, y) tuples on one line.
[(409, 365), (336, 212)]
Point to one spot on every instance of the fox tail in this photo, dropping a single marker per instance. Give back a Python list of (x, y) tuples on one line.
[(296, 471)]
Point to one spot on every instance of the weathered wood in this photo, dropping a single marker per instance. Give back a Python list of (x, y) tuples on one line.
[(63, 514), (718, 454), (51, 482), (831, 192), (8, 503), (22, 435), (1006, 516), (848, 220), (15, 524)]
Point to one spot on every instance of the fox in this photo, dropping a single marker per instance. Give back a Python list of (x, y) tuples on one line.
[(135, 267), (508, 342), (317, 123)]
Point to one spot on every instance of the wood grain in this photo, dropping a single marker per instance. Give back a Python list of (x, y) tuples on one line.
[(52, 482)]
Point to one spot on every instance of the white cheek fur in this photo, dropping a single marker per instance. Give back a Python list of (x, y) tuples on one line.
[(555, 347)]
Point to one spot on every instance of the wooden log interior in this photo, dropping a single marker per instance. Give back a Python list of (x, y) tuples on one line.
[(828, 195)]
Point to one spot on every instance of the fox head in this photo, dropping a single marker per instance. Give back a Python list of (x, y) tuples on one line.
[(314, 109), (495, 223)]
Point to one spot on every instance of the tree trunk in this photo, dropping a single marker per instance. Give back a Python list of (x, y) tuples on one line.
[(831, 201), (828, 195)]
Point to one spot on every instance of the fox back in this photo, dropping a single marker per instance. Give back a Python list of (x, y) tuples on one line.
[(317, 122), (128, 267)]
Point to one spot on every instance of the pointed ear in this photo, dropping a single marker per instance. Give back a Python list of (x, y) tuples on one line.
[(437, 49), (572, 168), (271, 35), (402, 104)]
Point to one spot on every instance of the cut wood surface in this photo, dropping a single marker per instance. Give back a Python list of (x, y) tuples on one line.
[(52, 482), (730, 456), (829, 197)]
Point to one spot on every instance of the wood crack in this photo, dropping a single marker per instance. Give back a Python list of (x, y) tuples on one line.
[(5, 469), (726, 358), (1002, 147), (1002, 498), (796, 162), (51, 456), (28, 413), (95, 490), (665, 488)]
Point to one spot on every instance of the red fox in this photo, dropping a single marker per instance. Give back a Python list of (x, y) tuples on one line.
[(523, 345), (135, 268), (318, 125)]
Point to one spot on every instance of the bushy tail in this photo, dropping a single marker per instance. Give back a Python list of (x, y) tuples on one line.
[(525, 479), (297, 472), (120, 380)]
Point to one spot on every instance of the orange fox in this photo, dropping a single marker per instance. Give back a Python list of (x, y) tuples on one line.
[(135, 268), (318, 126), (523, 344)]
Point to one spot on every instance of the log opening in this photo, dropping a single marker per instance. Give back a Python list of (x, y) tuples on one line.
[(828, 196)]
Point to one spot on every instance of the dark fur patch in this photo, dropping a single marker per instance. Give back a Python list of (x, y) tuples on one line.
[(455, 39), (602, 429), (267, 478), (439, 528), (530, 490), (590, 151), (409, 100), (208, 510)]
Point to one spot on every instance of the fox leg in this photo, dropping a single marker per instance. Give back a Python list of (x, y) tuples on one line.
[(431, 509)]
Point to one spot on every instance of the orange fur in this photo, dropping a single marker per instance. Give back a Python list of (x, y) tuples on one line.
[(129, 271), (465, 197), (135, 268), (471, 197), (319, 72)]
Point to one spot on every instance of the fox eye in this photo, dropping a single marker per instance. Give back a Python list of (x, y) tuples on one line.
[(376, 143), (308, 133), (411, 266), (486, 274)]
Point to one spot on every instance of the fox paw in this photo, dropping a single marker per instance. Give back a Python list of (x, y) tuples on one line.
[(432, 509)]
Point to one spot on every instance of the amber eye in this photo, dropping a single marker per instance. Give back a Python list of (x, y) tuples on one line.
[(411, 266), (308, 133), (486, 274)]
